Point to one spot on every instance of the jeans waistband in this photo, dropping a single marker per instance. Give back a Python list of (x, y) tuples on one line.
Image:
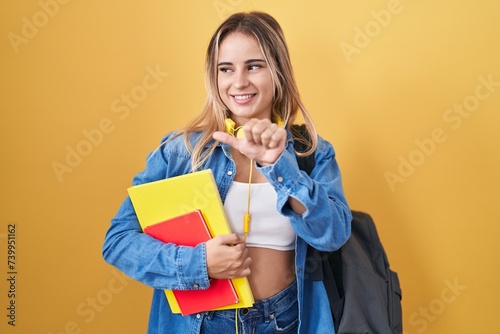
[(267, 306)]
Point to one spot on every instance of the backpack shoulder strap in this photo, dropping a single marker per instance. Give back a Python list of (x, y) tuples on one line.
[(306, 163)]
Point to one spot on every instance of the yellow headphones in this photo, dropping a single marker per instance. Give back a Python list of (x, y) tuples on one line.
[(229, 127)]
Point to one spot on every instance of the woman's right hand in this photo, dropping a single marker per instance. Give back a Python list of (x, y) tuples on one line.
[(227, 257)]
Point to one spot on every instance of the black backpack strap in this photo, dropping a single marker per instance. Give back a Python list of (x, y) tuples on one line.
[(332, 269), (322, 266), (306, 163)]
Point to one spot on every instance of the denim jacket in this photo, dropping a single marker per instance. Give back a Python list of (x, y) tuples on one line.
[(325, 225)]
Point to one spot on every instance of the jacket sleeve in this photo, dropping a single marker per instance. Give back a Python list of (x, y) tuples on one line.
[(326, 223), (143, 258)]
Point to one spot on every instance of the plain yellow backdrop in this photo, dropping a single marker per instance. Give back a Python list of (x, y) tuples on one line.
[(407, 91)]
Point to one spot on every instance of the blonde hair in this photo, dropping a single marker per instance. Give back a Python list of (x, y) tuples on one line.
[(286, 102)]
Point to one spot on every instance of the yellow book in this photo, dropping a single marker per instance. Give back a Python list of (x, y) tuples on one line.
[(164, 199)]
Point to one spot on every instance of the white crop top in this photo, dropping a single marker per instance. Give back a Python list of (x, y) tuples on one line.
[(268, 228)]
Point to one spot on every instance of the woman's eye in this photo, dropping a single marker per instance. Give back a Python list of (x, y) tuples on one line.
[(254, 67), (224, 69)]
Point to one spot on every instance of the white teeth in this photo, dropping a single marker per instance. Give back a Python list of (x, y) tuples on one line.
[(242, 97)]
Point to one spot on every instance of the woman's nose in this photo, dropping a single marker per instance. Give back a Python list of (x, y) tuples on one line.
[(240, 79)]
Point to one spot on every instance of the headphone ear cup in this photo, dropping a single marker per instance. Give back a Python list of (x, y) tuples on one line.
[(229, 126), (240, 133), (280, 122)]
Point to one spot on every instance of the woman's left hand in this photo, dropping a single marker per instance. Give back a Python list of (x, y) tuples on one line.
[(263, 141)]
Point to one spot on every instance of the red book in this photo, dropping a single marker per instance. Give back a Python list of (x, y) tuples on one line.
[(189, 230)]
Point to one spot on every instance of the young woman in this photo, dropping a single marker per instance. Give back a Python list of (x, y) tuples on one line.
[(249, 81)]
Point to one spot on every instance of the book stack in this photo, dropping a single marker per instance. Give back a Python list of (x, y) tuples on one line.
[(187, 210)]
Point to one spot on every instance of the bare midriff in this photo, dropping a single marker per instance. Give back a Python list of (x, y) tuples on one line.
[(271, 271)]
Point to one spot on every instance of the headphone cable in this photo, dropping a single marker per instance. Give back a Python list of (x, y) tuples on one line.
[(246, 218)]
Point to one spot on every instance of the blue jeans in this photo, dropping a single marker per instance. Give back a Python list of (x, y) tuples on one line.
[(276, 314)]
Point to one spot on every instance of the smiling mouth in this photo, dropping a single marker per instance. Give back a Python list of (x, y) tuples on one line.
[(243, 98)]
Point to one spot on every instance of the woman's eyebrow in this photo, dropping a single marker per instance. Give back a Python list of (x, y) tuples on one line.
[(254, 61), (226, 63)]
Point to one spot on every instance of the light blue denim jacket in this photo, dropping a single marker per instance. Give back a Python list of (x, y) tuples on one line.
[(325, 225)]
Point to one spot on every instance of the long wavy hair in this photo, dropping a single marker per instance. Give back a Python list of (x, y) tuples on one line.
[(286, 101)]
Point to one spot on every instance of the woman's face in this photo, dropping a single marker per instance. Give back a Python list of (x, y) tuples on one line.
[(244, 78)]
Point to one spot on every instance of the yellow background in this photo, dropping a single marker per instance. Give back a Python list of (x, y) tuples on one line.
[(382, 79)]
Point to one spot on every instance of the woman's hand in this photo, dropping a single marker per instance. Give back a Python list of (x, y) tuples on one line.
[(263, 141), (227, 257)]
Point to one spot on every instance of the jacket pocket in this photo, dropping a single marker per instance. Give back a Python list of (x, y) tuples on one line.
[(395, 296)]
